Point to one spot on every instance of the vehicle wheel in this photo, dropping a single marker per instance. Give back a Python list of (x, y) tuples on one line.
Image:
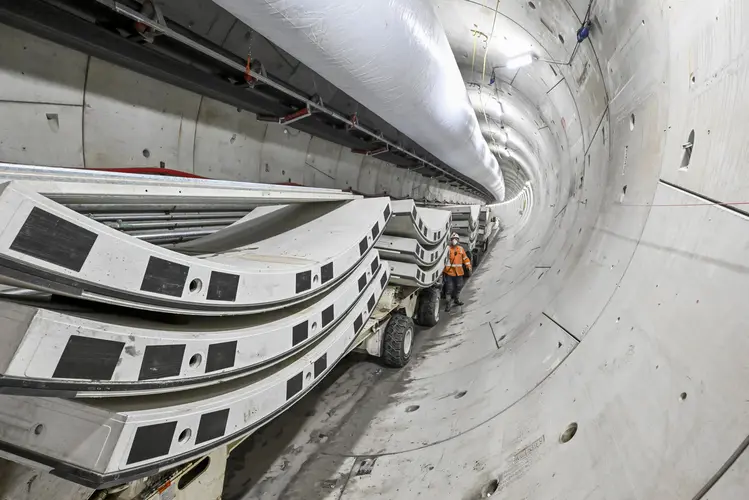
[(398, 341), (476, 259), (428, 313)]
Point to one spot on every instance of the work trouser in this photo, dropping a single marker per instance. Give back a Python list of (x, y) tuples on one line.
[(453, 286)]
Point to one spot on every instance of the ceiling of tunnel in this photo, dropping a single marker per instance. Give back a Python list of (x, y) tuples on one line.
[(513, 107)]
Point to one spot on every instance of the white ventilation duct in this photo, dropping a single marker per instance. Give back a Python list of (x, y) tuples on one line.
[(393, 57)]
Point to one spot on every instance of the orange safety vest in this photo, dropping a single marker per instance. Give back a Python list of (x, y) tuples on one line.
[(458, 258)]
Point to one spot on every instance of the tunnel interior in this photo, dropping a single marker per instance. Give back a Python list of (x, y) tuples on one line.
[(602, 349)]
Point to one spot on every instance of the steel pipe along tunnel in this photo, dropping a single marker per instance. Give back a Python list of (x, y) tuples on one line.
[(601, 353)]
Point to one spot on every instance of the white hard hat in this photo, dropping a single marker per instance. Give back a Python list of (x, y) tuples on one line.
[(454, 236)]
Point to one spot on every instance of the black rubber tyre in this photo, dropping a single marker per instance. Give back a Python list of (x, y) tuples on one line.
[(398, 341), (476, 259), (428, 310)]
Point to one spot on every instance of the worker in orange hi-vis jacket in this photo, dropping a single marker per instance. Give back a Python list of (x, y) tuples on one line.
[(453, 272)]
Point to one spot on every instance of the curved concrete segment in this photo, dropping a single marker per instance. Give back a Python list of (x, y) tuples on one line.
[(404, 273), (96, 190), (409, 250), (98, 263), (109, 441), (262, 223), (426, 225), (85, 353)]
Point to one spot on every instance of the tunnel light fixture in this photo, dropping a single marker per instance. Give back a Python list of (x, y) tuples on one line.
[(519, 61)]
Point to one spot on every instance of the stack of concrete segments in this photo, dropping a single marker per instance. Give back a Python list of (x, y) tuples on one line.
[(414, 244), (488, 228), (120, 358), (465, 222)]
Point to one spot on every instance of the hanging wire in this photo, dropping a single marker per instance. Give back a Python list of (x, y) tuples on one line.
[(483, 74)]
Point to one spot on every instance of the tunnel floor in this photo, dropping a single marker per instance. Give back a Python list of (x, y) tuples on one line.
[(352, 435)]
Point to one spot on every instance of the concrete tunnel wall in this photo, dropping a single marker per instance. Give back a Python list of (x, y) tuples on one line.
[(59, 107), (617, 304), (620, 310)]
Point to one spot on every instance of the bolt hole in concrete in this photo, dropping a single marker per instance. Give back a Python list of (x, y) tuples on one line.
[(561, 38), (315, 279), (502, 338), (568, 433), (39, 429), (461, 394), (196, 285), (412, 408), (693, 79), (184, 435), (532, 5), (314, 326), (490, 488), (682, 396), (146, 153), (687, 156), (195, 360), (632, 121)]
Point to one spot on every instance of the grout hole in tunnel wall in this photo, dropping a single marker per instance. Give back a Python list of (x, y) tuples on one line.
[(490, 488), (682, 396), (632, 121), (561, 38), (461, 394), (39, 429), (568, 433), (146, 153), (532, 5), (196, 285), (412, 408), (53, 119), (687, 156)]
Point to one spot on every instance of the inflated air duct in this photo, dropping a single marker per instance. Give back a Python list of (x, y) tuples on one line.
[(393, 57)]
